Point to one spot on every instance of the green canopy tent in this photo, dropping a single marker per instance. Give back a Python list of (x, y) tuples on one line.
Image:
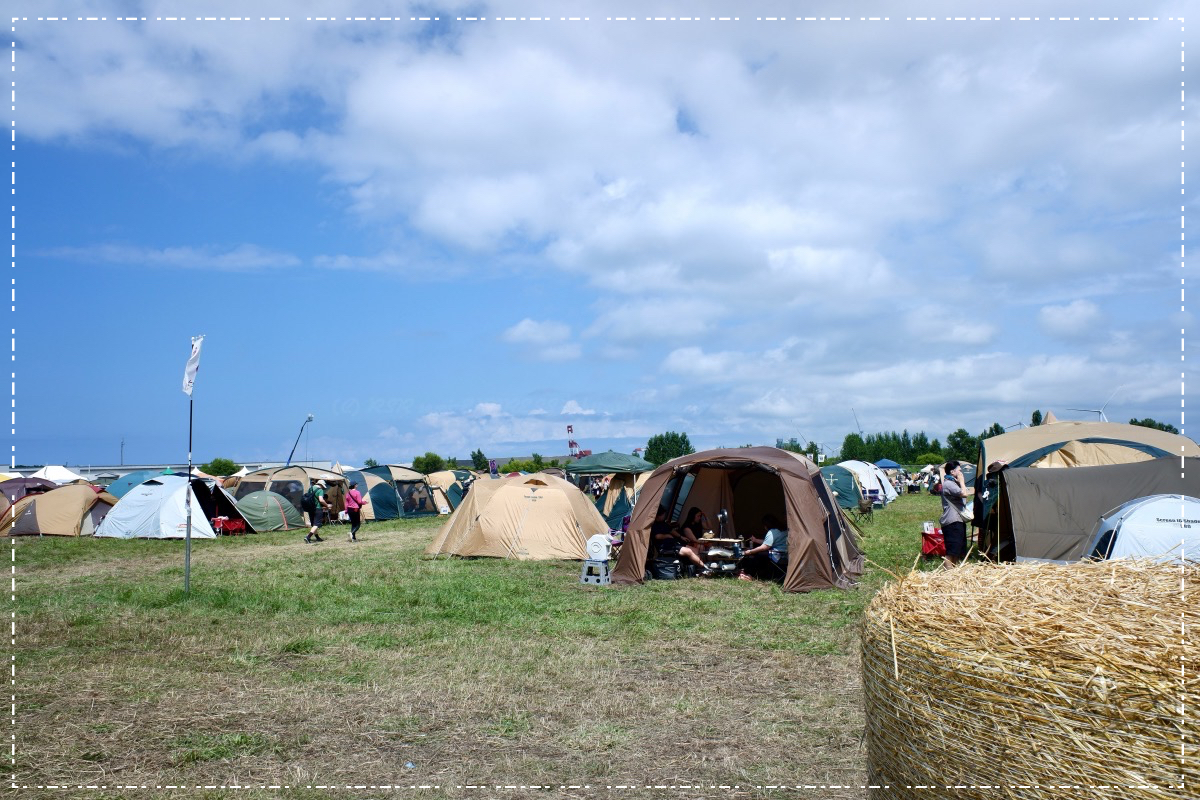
[(844, 486), (617, 503)]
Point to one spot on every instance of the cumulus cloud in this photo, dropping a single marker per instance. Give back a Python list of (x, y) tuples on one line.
[(1074, 320), (546, 341), (572, 408)]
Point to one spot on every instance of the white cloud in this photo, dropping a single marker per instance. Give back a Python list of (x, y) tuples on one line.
[(546, 341), (1074, 320), (241, 258), (572, 408)]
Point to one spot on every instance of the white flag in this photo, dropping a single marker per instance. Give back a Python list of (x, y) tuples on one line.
[(193, 365)]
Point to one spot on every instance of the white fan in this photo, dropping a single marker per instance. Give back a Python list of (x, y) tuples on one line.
[(599, 547)]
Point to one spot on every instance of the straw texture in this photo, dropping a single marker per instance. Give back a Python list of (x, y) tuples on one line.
[(1035, 681)]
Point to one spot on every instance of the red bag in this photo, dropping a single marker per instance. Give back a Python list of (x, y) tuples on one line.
[(932, 544)]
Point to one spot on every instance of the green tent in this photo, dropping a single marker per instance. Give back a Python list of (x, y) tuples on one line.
[(844, 485), (268, 511), (608, 463)]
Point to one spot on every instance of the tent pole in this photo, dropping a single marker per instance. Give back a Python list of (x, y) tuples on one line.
[(187, 536)]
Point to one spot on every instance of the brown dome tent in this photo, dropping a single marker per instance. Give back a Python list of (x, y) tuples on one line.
[(73, 510), (750, 482)]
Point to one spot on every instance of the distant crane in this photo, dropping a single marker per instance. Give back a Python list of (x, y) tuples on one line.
[(1099, 410), (856, 422)]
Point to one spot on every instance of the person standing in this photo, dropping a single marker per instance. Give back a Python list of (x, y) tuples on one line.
[(953, 520), (354, 504), (321, 506)]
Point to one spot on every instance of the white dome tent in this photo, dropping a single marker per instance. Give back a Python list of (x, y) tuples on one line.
[(156, 509), (1164, 527)]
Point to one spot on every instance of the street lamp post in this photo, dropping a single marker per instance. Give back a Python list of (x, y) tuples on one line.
[(298, 435)]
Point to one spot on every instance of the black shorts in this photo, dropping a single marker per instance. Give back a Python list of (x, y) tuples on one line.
[(955, 535)]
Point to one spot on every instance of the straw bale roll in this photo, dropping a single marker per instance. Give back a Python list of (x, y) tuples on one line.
[(1035, 681)]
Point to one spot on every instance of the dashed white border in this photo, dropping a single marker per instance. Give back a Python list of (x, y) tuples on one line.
[(502, 787)]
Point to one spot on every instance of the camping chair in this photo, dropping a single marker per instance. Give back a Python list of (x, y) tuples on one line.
[(865, 511)]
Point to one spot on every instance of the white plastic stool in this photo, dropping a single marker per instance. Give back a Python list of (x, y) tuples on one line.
[(595, 573)]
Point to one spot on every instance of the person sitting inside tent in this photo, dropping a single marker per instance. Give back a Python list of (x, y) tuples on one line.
[(768, 560), (671, 543)]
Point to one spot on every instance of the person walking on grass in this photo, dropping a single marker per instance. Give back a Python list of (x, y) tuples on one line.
[(320, 509), (954, 520), (354, 504)]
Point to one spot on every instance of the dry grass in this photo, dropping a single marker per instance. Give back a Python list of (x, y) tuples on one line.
[(1011, 681), (338, 666)]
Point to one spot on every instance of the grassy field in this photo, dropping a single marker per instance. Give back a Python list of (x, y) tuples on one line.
[(321, 668)]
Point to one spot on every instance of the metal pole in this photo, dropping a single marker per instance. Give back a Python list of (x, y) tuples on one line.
[(298, 435), (187, 536)]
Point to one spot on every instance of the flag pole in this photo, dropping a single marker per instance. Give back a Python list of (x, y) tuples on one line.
[(187, 536), (189, 381)]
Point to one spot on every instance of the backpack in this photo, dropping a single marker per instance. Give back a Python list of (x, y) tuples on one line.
[(309, 501)]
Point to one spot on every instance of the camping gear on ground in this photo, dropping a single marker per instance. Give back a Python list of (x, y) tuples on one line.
[(595, 568), (268, 511), (1050, 514), (523, 517), (73, 510), (932, 541), (751, 482), (1165, 527)]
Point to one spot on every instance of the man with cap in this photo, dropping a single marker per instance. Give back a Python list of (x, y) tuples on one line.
[(318, 516)]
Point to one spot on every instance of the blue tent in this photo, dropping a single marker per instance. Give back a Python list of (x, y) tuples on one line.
[(887, 463), (122, 485)]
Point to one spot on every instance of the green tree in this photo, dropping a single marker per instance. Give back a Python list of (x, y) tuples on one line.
[(813, 451), (1035, 419), (996, 430), (854, 448), (428, 463), (219, 466), (929, 458), (962, 445), (1153, 423), (479, 461), (537, 461), (370, 462), (936, 447), (662, 447)]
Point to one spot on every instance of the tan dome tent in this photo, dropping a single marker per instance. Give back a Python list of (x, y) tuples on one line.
[(292, 482), (1063, 444), (75, 510), (750, 482), (524, 517)]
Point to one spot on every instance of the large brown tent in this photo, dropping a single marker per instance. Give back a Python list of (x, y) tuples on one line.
[(73, 510), (1049, 514), (750, 482), (523, 517)]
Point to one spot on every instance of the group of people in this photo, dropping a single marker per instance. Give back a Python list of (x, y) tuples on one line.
[(321, 507), (766, 557)]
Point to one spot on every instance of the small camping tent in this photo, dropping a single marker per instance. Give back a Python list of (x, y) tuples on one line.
[(450, 484), (267, 511), (616, 502), (122, 485), (73, 510), (59, 475), (1164, 527), (157, 509), (872, 480), (750, 482), (524, 517), (844, 485)]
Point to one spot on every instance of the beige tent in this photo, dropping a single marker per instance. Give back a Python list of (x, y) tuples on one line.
[(1081, 444), (750, 482), (74, 510), (523, 517), (292, 482)]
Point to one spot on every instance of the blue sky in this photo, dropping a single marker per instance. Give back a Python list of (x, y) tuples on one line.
[(451, 234)]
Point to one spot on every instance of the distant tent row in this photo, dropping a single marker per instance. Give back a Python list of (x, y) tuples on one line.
[(617, 501)]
